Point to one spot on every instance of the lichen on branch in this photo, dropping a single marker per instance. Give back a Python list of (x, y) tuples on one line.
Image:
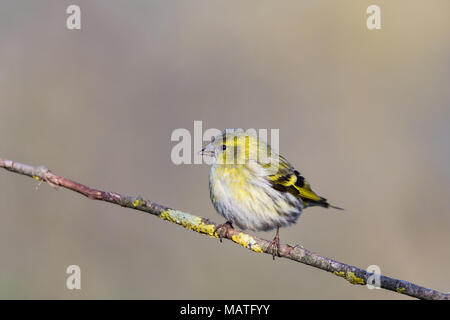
[(297, 253)]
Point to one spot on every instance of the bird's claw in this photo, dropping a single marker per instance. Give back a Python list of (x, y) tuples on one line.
[(222, 229), (274, 247)]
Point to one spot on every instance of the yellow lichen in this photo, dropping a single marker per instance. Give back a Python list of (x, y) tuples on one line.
[(197, 224), (136, 202), (246, 241), (353, 279), (189, 222), (37, 178), (350, 277), (239, 239), (401, 290), (339, 274)]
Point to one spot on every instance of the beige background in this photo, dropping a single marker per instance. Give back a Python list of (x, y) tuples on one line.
[(364, 115)]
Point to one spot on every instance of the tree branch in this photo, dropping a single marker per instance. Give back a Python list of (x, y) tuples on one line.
[(352, 274)]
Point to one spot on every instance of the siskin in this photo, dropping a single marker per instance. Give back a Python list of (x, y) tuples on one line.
[(253, 187)]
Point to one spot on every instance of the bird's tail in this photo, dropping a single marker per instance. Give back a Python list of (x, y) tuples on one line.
[(334, 207), (327, 205), (322, 202)]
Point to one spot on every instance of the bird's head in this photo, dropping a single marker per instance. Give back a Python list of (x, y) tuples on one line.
[(237, 147)]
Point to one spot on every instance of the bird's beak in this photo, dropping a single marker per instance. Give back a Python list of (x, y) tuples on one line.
[(207, 151)]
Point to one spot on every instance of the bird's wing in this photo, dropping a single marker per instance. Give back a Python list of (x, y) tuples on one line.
[(287, 179)]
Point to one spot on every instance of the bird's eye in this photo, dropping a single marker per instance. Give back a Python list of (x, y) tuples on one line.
[(224, 147)]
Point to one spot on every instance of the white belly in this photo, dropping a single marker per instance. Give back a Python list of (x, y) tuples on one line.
[(250, 202)]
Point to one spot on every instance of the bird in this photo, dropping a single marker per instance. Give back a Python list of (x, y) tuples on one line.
[(255, 188)]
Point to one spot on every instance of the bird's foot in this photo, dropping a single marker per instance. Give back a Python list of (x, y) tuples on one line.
[(222, 229), (274, 246)]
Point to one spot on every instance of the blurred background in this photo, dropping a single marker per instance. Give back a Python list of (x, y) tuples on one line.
[(364, 115)]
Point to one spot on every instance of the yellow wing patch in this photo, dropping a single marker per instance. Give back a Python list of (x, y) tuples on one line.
[(306, 193), (289, 180)]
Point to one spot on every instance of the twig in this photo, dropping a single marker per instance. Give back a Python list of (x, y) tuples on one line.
[(352, 274)]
